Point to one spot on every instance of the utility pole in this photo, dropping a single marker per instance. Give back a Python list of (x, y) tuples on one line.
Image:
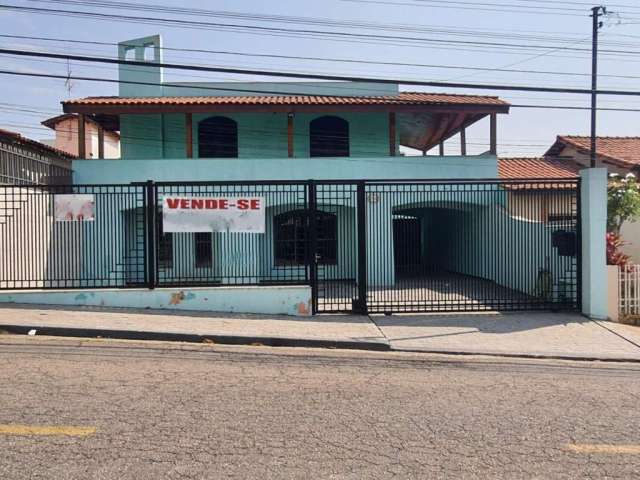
[(596, 13)]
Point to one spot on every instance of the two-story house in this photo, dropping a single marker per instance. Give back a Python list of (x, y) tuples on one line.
[(387, 231)]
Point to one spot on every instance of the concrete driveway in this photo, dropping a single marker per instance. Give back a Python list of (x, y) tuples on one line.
[(529, 333)]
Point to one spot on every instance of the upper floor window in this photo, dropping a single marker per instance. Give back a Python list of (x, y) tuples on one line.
[(329, 137), (218, 138)]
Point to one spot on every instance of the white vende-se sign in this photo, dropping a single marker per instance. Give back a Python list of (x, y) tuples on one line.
[(213, 214)]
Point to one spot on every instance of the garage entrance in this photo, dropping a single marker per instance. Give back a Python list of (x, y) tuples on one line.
[(407, 245), (458, 246)]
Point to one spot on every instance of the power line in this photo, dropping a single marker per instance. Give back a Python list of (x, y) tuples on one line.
[(470, 6), (325, 59), (282, 30), (260, 17), (257, 92), (456, 4), (243, 71)]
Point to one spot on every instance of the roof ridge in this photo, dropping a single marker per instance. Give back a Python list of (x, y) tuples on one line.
[(35, 143), (397, 95), (614, 137), (450, 94)]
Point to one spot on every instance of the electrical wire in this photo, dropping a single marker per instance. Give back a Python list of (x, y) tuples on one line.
[(326, 59), (281, 30), (525, 88)]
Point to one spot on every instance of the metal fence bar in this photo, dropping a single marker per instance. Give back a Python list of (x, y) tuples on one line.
[(361, 206), (629, 288), (312, 258), (150, 233), (23, 167)]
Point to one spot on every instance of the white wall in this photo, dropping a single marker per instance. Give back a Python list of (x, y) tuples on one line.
[(631, 233)]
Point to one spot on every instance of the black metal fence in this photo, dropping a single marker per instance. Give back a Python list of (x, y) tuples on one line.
[(23, 166), (467, 246), (41, 248), (362, 246)]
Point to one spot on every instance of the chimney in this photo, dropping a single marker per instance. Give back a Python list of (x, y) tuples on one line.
[(148, 78)]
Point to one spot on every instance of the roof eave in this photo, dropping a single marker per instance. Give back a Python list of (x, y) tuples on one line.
[(107, 109)]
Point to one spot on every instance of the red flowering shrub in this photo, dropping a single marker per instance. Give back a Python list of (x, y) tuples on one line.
[(614, 255)]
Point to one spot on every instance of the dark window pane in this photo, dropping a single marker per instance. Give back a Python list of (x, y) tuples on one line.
[(203, 249), (291, 238), (165, 246), (218, 138), (329, 137)]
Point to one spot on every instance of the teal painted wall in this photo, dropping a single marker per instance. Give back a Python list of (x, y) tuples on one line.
[(260, 135), (486, 242), (276, 88), (141, 136), (431, 167), (274, 300)]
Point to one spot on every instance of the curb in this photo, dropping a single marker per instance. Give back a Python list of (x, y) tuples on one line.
[(282, 342), (530, 356), (195, 338)]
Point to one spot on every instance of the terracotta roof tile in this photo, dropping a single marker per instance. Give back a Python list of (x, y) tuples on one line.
[(403, 98), (622, 151), (16, 137), (53, 121), (538, 167)]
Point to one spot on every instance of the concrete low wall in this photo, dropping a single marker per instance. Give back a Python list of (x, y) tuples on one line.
[(274, 300)]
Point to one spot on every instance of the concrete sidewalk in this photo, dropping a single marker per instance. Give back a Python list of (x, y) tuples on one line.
[(534, 334), (540, 334), (345, 331)]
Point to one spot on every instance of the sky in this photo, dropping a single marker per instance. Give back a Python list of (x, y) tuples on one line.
[(558, 29)]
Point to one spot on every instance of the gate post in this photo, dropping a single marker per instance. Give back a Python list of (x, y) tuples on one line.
[(150, 226), (361, 206), (312, 245), (593, 227)]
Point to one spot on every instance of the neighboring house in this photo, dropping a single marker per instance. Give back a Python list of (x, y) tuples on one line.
[(539, 205), (23, 161), (25, 212), (620, 155), (96, 137), (543, 207)]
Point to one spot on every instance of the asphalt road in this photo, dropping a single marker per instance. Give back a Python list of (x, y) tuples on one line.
[(125, 410)]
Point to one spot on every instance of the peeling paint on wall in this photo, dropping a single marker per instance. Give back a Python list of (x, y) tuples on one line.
[(293, 300), (176, 298), (303, 308)]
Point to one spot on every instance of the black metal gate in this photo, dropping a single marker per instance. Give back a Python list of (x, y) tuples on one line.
[(445, 246)]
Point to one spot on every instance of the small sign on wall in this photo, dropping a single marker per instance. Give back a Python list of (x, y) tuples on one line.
[(213, 214), (74, 207)]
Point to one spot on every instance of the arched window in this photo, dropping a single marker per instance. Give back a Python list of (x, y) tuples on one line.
[(218, 138), (329, 137), (291, 237)]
